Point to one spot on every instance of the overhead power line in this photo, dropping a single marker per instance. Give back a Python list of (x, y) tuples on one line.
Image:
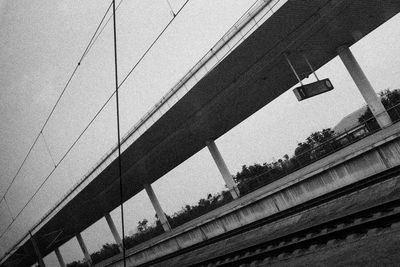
[(98, 112), (152, 44), (171, 9), (88, 47), (102, 28)]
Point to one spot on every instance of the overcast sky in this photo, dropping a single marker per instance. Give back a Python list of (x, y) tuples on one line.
[(41, 43)]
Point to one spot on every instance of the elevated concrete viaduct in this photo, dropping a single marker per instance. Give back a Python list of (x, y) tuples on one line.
[(244, 72)]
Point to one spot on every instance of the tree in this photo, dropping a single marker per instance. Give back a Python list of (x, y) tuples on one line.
[(315, 139), (304, 151), (107, 251), (389, 99), (252, 171), (142, 226), (301, 148), (320, 137)]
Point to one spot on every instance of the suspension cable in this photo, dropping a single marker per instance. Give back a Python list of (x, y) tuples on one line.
[(48, 150), (56, 104), (94, 117), (152, 44), (171, 9), (59, 162), (9, 209), (102, 28)]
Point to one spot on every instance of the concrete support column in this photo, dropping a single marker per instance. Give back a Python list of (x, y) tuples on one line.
[(37, 251), (59, 257), (364, 86), (156, 204), (223, 169), (84, 249), (114, 231)]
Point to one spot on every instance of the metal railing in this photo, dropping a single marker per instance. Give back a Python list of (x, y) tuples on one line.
[(317, 152)]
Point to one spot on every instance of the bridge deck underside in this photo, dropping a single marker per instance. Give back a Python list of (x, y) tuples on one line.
[(253, 75)]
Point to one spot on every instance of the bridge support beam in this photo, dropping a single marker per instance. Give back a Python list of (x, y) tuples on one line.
[(59, 257), (156, 204), (84, 249), (114, 231), (37, 251), (223, 169), (365, 87)]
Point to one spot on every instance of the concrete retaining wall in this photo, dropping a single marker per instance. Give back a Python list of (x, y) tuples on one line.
[(379, 154)]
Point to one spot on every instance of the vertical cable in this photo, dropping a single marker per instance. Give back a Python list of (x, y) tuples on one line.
[(171, 9), (9, 210), (119, 135), (87, 49), (89, 124), (48, 149)]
